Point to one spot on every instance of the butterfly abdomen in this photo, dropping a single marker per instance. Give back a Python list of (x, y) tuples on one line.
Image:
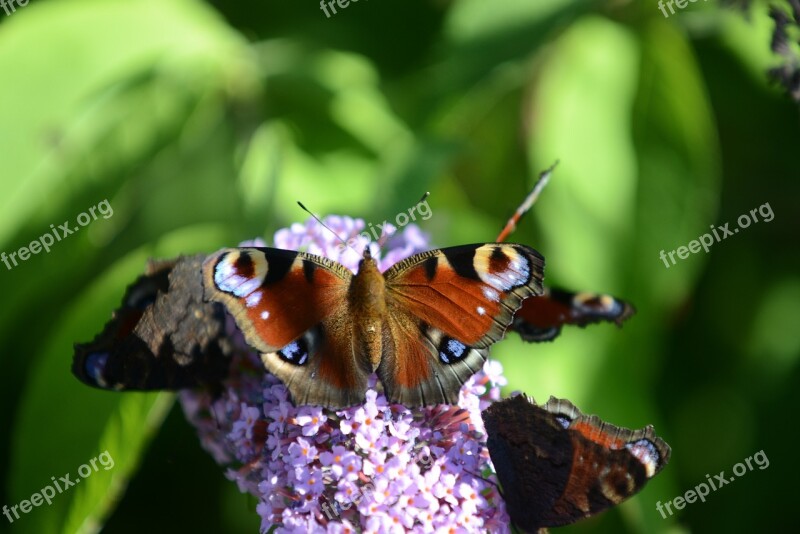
[(367, 302)]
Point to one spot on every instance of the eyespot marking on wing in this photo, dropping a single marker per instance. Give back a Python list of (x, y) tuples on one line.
[(502, 267)]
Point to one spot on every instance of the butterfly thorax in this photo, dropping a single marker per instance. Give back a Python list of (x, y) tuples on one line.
[(368, 291)]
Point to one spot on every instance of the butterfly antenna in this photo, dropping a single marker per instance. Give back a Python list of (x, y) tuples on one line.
[(326, 226), (526, 205), (385, 236)]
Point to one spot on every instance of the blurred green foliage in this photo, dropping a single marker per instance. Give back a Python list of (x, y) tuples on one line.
[(202, 123)]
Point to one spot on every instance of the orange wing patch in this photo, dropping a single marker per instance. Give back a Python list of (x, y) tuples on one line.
[(470, 292), (274, 295), (282, 311), (459, 307)]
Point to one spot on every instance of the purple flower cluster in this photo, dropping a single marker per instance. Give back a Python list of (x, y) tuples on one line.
[(377, 467)]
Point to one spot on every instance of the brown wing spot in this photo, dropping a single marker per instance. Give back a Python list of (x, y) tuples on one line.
[(244, 265), (498, 261)]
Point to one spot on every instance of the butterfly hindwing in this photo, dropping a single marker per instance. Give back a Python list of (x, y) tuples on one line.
[(292, 308), (164, 336), (422, 366), (445, 309), (557, 466)]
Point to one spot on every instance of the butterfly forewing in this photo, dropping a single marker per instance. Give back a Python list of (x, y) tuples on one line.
[(445, 308), (292, 308), (470, 292)]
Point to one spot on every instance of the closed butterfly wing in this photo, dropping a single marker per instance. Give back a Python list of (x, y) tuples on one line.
[(445, 309), (164, 336), (292, 308), (557, 465)]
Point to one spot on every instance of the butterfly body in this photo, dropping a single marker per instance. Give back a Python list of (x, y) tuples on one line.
[(424, 326), (367, 299)]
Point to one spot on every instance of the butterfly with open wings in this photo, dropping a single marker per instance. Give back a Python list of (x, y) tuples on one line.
[(424, 326)]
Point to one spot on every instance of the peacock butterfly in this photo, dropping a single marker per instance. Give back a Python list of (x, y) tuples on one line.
[(164, 336), (557, 465), (424, 326), (540, 318)]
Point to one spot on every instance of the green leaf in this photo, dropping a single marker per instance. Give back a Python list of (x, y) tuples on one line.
[(582, 112), (679, 167), (480, 37), (61, 422), (125, 439), (43, 126), (92, 421), (627, 116)]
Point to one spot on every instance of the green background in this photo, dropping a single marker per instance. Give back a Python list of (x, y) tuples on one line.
[(203, 123)]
